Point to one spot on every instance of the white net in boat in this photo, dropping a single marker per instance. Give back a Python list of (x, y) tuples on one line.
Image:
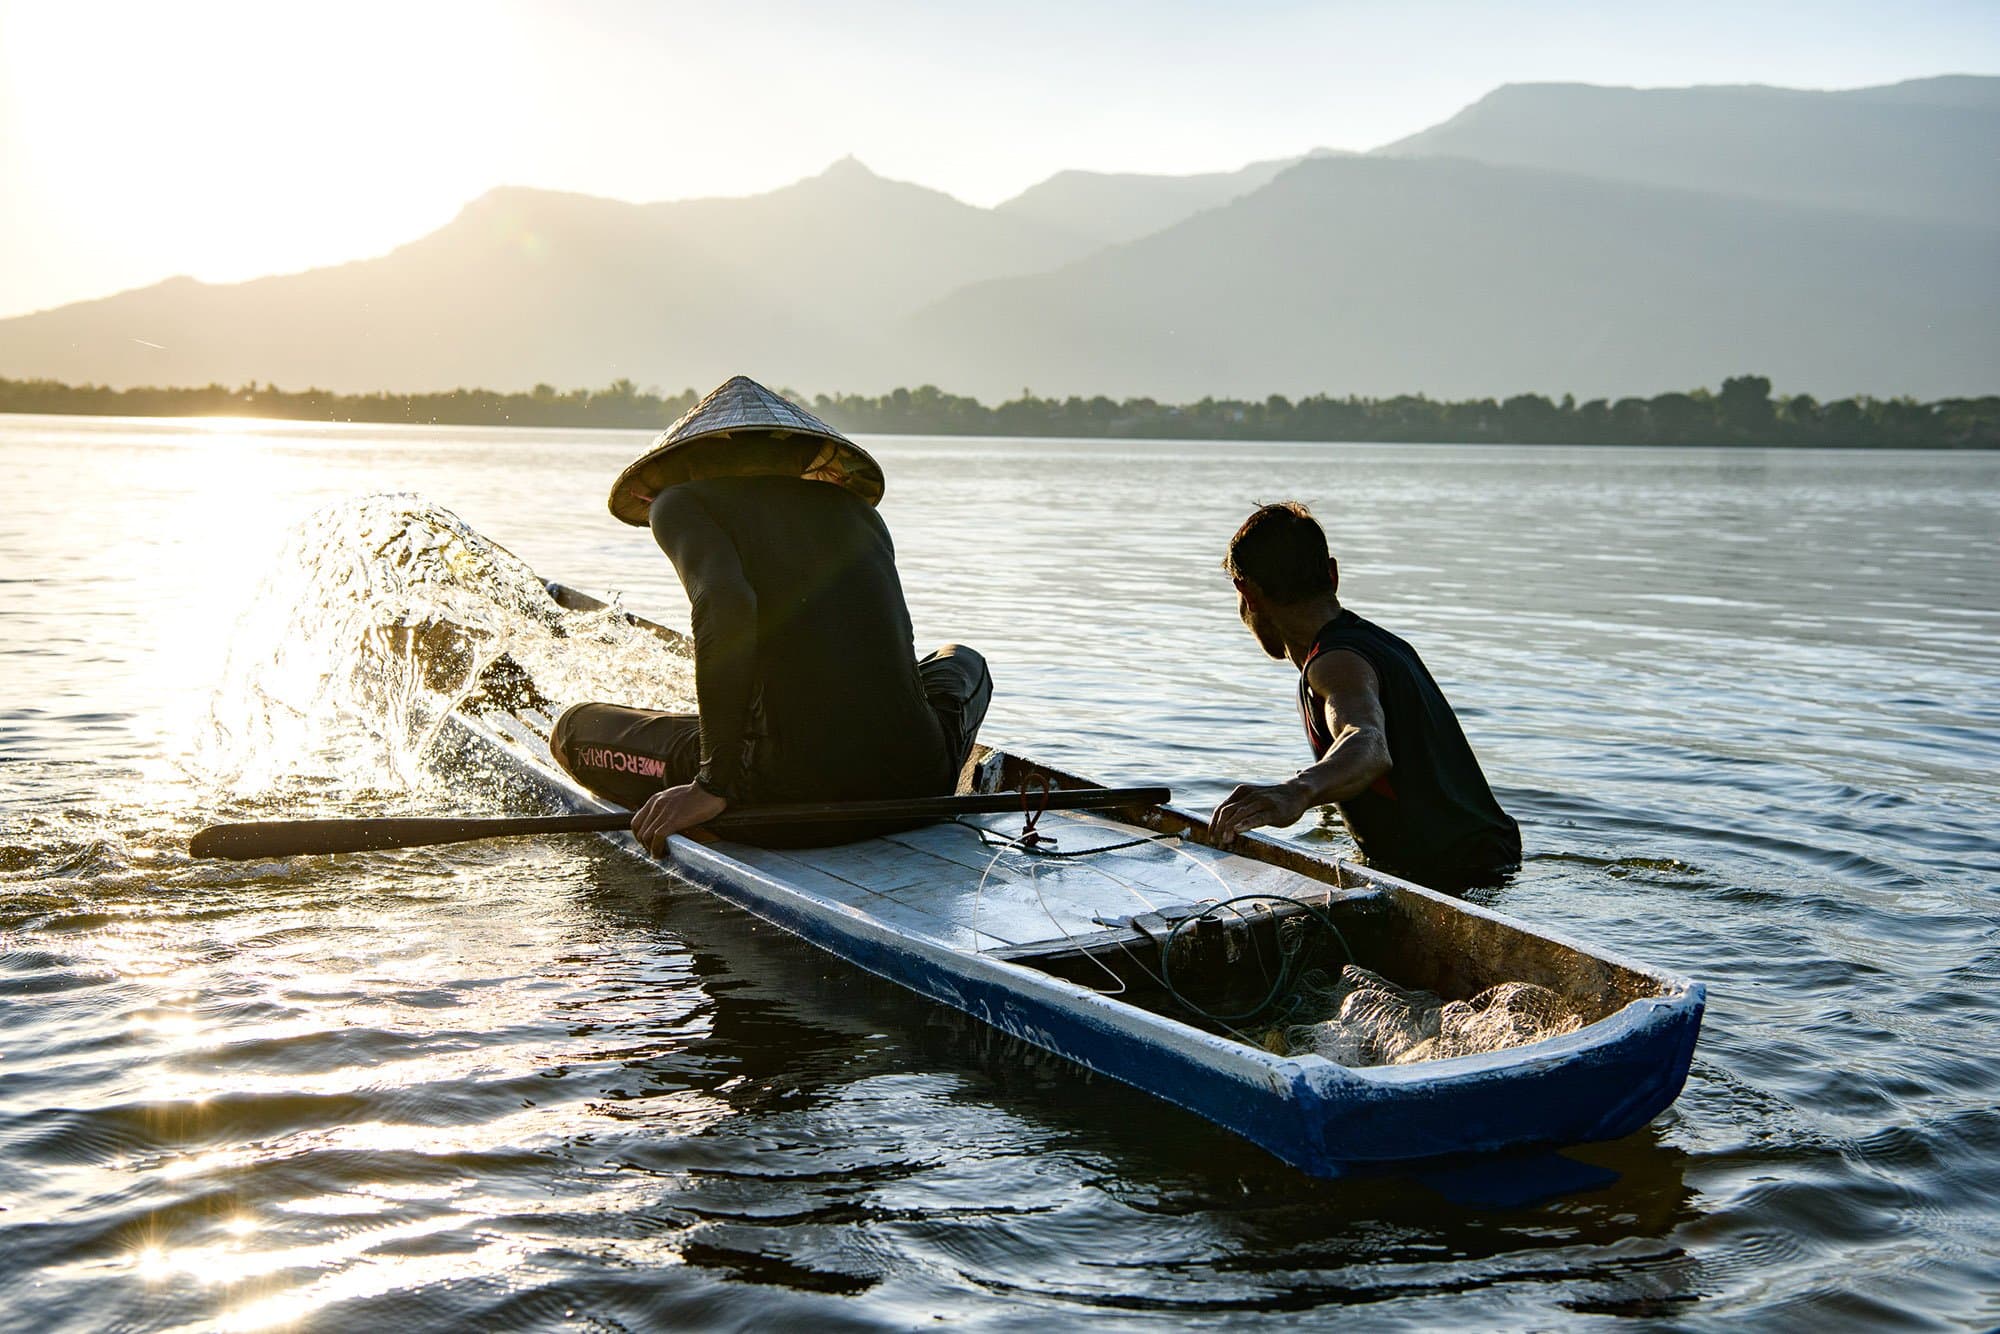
[(1365, 1019)]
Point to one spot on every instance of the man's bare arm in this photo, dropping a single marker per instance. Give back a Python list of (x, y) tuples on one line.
[(1360, 751), (1359, 755)]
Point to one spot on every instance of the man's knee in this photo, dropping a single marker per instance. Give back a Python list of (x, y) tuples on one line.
[(961, 659), (624, 753), (958, 674), (563, 736), (959, 687)]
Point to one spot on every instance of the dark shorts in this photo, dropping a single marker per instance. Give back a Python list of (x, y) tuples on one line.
[(625, 755)]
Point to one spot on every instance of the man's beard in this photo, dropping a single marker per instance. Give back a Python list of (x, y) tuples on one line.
[(1268, 638)]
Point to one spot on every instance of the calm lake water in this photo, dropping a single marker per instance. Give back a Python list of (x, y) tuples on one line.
[(1745, 704)]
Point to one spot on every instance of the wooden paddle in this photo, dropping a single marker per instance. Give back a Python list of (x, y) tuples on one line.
[(291, 838)]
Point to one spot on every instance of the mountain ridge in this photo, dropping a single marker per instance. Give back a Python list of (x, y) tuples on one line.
[(1905, 150), (1113, 207), (846, 279), (1536, 277), (809, 274)]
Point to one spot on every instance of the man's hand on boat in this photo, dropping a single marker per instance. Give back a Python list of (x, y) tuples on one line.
[(669, 812), (1356, 759), (1253, 806)]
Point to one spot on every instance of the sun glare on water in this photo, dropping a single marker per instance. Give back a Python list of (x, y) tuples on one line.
[(218, 542)]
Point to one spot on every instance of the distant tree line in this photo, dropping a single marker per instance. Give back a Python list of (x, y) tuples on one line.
[(619, 404), (1742, 412)]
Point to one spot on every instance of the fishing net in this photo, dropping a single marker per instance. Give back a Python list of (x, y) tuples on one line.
[(1361, 1018)]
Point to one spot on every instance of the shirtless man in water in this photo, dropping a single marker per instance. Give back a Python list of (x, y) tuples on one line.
[(806, 682), (1387, 749)]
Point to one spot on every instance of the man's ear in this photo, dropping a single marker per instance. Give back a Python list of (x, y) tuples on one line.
[(1333, 573)]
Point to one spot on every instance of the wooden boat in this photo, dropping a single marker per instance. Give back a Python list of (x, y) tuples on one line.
[(1120, 960)]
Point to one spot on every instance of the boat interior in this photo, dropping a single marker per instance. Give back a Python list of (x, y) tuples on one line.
[(1197, 959)]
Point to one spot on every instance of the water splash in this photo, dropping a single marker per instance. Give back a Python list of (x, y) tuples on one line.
[(1365, 1019), (378, 617)]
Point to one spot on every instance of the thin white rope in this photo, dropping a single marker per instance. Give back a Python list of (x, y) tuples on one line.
[(979, 893), (1034, 883), (1175, 843)]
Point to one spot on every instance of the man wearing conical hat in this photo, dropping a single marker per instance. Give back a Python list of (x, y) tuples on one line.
[(805, 677)]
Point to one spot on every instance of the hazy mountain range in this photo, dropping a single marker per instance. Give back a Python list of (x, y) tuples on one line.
[(1549, 237), (1110, 207)]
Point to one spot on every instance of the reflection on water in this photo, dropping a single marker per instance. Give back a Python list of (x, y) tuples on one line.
[(1744, 705)]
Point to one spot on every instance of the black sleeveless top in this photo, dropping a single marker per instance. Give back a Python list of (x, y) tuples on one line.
[(1432, 815)]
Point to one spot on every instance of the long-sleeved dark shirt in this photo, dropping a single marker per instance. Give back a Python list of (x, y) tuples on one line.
[(805, 672)]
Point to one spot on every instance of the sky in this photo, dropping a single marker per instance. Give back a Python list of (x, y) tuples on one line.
[(228, 140)]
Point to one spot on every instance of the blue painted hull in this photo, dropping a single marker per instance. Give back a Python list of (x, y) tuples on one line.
[(1601, 1083)]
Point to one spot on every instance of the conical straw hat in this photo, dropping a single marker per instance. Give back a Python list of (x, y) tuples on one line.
[(743, 429)]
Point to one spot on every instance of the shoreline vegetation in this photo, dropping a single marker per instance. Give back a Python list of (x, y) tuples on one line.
[(1742, 412)]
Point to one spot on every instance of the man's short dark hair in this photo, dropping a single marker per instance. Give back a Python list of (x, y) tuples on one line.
[(1281, 549)]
